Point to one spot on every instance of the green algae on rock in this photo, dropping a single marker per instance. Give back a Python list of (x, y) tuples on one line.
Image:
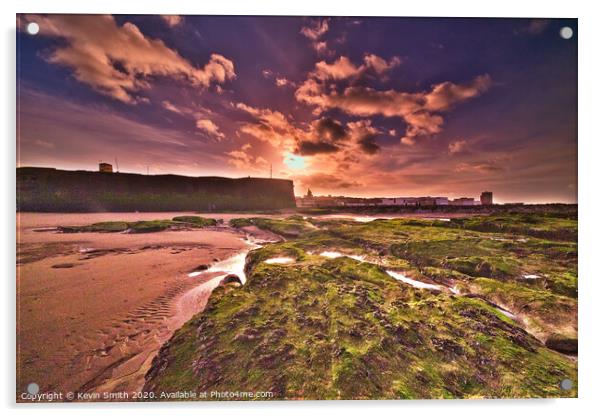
[(143, 226), (324, 328)]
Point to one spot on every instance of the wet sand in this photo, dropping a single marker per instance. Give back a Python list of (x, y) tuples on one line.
[(93, 308)]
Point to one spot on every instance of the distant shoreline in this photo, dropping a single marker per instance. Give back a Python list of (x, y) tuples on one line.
[(569, 209), (496, 208)]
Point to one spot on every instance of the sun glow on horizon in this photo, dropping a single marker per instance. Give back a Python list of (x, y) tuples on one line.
[(293, 161)]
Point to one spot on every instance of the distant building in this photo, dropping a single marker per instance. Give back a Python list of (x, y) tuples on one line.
[(414, 201), (309, 200), (316, 201), (305, 202), (425, 201), (357, 202), (486, 198), (398, 201), (463, 201), (432, 201), (104, 167), (441, 201)]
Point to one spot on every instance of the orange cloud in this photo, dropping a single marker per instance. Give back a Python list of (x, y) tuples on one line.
[(456, 146), (379, 65), (326, 181), (343, 68), (279, 80), (418, 110), (481, 167), (172, 20), (322, 136), (340, 69), (445, 95), (209, 127), (322, 48), (119, 60), (243, 160), (364, 135), (172, 107), (270, 126), (283, 82), (314, 32)]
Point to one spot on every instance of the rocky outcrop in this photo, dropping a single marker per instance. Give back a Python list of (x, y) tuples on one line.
[(563, 344), (338, 328), (231, 279)]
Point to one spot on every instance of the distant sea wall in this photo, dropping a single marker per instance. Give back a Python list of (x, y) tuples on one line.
[(53, 190)]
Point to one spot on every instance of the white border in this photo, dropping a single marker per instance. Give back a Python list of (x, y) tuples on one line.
[(590, 159)]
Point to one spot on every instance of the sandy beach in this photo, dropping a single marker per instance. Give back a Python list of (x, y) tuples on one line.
[(93, 308)]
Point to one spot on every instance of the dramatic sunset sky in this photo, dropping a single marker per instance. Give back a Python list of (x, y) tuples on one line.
[(345, 106)]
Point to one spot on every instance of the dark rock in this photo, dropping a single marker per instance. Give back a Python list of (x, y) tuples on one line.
[(484, 269), (562, 343), (230, 279), (524, 339), (68, 229), (202, 267), (449, 347), (61, 266)]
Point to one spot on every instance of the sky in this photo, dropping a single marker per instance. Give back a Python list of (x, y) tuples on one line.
[(356, 106)]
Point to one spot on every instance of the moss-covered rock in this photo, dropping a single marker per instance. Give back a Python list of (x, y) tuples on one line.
[(195, 221), (291, 227), (540, 225), (143, 226), (102, 227), (322, 328)]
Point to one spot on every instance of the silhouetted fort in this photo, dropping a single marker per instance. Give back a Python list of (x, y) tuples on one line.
[(53, 190)]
